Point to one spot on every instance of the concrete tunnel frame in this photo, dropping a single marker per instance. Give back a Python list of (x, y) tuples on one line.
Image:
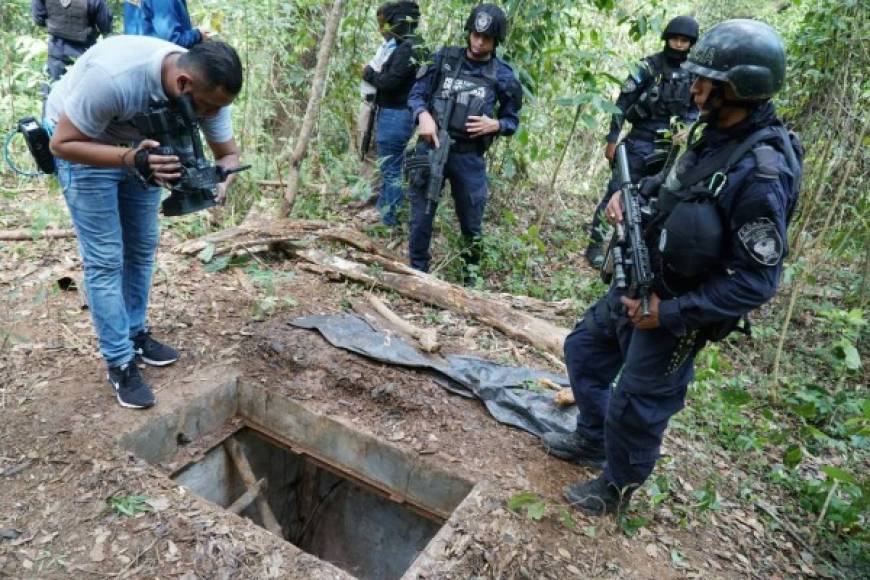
[(229, 405)]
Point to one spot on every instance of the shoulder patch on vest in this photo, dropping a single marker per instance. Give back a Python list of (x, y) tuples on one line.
[(767, 164), (762, 241)]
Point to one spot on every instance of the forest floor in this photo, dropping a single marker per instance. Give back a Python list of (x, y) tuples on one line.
[(61, 462)]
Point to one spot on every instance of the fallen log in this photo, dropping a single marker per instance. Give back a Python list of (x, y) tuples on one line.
[(426, 337), (249, 235), (26, 234), (426, 288)]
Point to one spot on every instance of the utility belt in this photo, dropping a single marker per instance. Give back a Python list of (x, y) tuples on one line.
[(477, 146), (639, 134)]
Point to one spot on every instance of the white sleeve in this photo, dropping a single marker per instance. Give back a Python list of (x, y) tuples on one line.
[(218, 128)]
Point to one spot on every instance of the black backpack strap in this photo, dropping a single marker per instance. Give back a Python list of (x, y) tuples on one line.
[(731, 153), (747, 144), (711, 165), (791, 156)]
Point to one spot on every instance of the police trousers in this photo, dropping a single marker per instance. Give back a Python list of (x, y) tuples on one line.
[(653, 367), (466, 173)]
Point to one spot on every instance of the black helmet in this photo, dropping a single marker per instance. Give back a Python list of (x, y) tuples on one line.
[(746, 54), (488, 19), (403, 17), (682, 26)]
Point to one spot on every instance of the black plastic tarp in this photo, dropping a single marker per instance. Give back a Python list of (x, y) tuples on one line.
[(511, 394)]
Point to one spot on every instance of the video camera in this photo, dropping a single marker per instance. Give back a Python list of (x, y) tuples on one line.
[(177, 130)]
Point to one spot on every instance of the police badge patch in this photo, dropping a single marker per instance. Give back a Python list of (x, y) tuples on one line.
[(482, 22), (762, 241)]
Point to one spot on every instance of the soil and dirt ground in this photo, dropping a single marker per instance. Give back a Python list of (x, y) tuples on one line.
[(60, 462)]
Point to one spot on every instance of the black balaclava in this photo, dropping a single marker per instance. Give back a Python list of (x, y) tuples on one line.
[(675, 57)]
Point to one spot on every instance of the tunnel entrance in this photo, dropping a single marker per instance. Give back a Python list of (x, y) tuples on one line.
[(338, 493)]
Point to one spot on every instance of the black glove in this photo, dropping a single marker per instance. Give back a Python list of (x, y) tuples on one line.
[(649, 186), (140, 162)]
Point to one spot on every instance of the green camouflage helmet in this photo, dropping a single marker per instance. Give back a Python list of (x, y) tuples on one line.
[(746, 54)]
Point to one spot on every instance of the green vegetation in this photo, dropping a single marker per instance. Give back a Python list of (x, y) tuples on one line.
[(128, 504)]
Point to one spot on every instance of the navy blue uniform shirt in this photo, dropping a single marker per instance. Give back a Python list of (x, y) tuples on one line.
[(508, 91), (99, 16), (633, 87), (750, 201)]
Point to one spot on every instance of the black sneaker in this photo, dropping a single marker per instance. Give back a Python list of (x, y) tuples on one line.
[(152, 352), (574, 448), (598, 497), (131, 390)]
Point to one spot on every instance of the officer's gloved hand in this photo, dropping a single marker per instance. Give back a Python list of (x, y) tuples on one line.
[(649, 186)]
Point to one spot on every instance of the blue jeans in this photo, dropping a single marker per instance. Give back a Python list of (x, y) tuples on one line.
[(116, 221), (394, 129), (466, 173)]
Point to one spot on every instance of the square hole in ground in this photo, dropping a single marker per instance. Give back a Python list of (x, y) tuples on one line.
[(319, 510), (337, 493)]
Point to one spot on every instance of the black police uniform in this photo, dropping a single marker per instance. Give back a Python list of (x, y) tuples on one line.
[(649, 98), (480, 88), (755, 199), (73, 28)]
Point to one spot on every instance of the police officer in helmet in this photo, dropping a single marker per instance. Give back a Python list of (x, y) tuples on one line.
[(648, 100), (73, 27), (488, 98), (718, 239)]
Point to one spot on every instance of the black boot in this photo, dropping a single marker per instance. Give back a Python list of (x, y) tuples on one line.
[(597, 231), (598, 497), (595, 254), (574, 448)]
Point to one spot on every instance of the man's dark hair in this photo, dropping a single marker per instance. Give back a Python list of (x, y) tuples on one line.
[(216, 63)]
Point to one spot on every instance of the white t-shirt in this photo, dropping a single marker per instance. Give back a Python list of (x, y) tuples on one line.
[(115, 80)]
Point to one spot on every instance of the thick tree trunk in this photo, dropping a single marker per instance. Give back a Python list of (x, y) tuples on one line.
[(426, 288), (317, 89), (375, 266)]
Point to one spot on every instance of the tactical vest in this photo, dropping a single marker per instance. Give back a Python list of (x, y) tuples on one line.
[(68, 19), (687, 234), (666, 97), (471, 91)]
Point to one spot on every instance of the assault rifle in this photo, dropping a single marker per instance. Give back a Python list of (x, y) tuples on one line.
[(628, 260), (438, 157), (177, 131)]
